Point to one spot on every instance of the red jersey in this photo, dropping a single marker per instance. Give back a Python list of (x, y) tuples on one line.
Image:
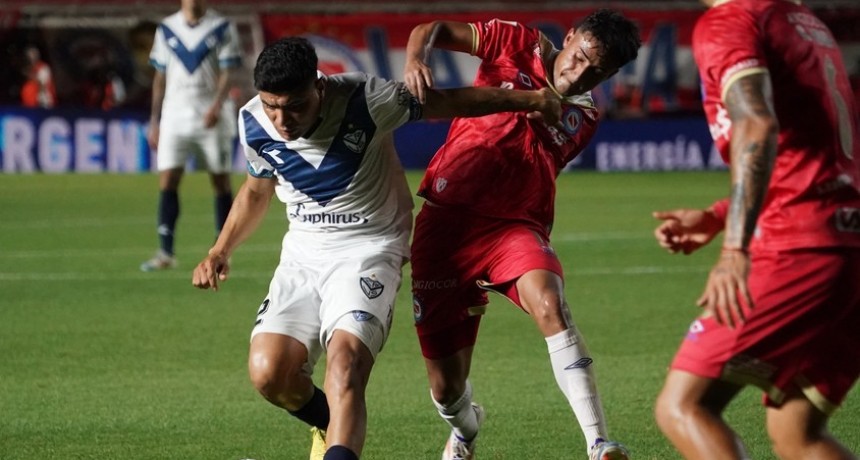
[(505, 165), (813, 199)]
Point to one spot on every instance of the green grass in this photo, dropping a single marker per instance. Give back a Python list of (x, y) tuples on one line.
[(101, 361)]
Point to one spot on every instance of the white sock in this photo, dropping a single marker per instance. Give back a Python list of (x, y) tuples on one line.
[(460, 415), (574, 374)]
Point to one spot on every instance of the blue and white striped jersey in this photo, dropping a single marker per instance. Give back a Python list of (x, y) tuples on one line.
[(191, 58), (345, 180)]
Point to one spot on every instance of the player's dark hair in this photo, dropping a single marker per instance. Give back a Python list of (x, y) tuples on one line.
[(286, 65), (618, 35)]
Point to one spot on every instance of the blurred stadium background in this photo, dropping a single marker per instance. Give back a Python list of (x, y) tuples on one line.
[(651, 106), (101, 361)]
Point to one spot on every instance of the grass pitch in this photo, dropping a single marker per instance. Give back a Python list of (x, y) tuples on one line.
[(101, 361)]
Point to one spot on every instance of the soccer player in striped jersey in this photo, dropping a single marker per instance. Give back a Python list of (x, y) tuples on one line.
[(782, 303), (324, 146), (195, 52)]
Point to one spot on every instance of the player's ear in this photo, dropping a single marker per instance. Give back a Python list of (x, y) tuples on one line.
[(569, 37), (319, 84)]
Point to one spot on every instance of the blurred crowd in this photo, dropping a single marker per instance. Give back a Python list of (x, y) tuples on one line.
[(107, 69), (83, 68)]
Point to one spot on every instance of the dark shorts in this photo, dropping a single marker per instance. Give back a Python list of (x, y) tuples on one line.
[(456, 259), (802, 333)]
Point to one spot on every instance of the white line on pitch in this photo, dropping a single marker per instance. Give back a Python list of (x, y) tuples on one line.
[(186, 274), (275, 246)]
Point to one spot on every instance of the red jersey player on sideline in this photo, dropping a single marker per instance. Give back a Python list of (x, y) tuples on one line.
[(782, 304), (490, 192)]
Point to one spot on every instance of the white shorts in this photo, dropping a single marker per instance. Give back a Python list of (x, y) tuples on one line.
[(212, 147), (310, 297)]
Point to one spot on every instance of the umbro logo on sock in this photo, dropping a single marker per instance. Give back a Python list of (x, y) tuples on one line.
[(580, 363)]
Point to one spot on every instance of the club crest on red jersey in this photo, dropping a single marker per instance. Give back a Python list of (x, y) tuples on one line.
[(417, 310), (571, 120)]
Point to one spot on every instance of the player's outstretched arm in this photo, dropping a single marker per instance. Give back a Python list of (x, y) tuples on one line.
[(484, 100), (249, 208), (455, 36)]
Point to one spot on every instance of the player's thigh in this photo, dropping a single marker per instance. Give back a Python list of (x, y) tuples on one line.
[(358, 296), (795, 419), (447, 260), (216, 148), (524, 267), (174, 148), (291, 308)]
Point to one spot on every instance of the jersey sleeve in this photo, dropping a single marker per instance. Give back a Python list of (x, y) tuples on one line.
[(390, 103), (251, 135), (493, 39), (229, 54), (728, 48), (159, 54)]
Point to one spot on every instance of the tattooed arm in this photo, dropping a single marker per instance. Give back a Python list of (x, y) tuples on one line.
[(753, 150), (749, 102)]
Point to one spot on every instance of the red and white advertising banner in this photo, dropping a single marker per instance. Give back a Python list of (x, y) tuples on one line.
[(375, 43), (663, 78)]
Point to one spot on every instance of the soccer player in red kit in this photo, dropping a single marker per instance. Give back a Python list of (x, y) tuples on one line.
[(490, 192), (782, 304)]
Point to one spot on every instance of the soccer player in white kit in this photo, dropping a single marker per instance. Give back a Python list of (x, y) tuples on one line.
[(324, 145), (195, 52)]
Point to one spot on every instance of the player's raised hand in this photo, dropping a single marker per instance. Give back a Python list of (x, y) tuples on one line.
[(550, 109), (686, 230), (209, 272), (418, 77), (726, 294)]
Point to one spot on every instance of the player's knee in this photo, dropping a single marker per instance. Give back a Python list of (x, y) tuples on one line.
[(547, 308), (272, 381), (664, 414), (670, 412)]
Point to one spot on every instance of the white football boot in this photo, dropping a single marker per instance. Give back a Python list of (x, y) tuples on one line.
[(459, 449), (608, 450), (160, 261)]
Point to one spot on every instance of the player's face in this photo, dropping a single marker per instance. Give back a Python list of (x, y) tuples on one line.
[(197, 6), (581, 65), (294, 113)]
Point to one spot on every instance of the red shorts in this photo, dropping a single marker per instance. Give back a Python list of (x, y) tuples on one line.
[(802, 333), (456, 259)]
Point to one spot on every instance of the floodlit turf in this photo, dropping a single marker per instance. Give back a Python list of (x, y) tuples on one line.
[(101, 361)]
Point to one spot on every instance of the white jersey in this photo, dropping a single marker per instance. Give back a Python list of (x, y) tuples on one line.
[(343, 185), (191, 57)]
